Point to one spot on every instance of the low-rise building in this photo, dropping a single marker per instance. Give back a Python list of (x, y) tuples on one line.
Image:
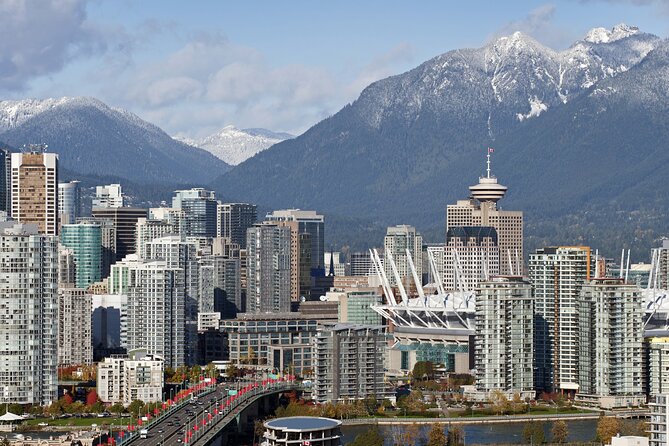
[(349, 362), (311, 431), (280, 341), (123, 379)]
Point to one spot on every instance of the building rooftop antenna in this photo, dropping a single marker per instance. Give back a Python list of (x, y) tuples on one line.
[(34, 148)]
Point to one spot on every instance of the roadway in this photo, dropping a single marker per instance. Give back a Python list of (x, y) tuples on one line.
[(170, 428)]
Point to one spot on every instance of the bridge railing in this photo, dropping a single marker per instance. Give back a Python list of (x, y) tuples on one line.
[(131, 432), (233, 404)]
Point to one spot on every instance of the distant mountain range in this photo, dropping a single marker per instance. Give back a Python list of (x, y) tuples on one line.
[(580, 137), (234, 146), (92, 138)]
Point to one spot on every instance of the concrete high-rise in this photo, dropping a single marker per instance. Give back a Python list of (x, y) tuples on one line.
[(6, 181), (124, 222), (233, 219), (35, 190), (481, 210), (69, 202), (148, 230), (504, 336), (75, 345), (182, 257), (199, 208), (471, 255), (312, 223), (268, 271), (397, 241), (109, 196), (557, 274), (156, 316), (361, 264), (610, 342), (349, 363), (85, 240), (220, 288), (29, 315)]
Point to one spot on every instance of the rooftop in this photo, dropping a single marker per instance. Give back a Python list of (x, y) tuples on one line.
[(302, 423)]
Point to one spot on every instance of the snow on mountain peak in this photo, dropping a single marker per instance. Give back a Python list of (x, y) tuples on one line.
[(233, 145), (603, 35)]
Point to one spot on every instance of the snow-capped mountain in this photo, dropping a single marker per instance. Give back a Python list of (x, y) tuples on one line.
[(568, 127), (235, 146), (92, 138)]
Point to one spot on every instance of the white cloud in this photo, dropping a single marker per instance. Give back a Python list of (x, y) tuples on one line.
[(41, 36), (539, 24)]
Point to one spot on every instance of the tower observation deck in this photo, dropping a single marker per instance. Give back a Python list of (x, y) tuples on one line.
[(488, 189)]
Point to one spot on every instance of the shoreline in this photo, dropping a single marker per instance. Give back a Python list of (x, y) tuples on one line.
[(470, 420)]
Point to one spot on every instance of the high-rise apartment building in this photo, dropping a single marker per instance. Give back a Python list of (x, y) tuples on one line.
[(109, 196), (471, 255), (182, 257), (220, 286), (149, 229), (74, 327), (504, 336), (658, 426), (268, 272), (610, 341), (481, 210), (28, 314), (233, 219), (349, 363), (361, 264), (67, 269), (397, 241), (6, 181), (199, 208), (334, 264), (658, 365), (309, 222), (557, 274), (85, 240), (69, 202), (35, 190), (156, 316), (124, 221)]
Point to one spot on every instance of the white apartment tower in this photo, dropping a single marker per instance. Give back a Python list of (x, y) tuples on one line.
[(504, 352), (109, 196), (35, 190), (611, 339), (471, 255), (481, 210), (150, 229), (155, 316), (268, 270), (74, 327), (557, 274), (659, 420), (397, 241), (28, 314)]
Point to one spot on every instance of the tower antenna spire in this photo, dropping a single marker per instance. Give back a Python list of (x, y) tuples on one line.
[(490, 150)]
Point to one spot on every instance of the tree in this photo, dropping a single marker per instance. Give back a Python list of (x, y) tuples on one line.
[(533, 432), (404, 434), (499, 401), (560, 432), (91, 397), (5, 442), (436, 436), (117, 408), (136, 407), (372, 437), (423, 370), (231, 371), (607, 428), (456, 435)]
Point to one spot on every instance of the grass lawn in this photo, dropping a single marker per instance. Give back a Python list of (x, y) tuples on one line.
[(80, 421)]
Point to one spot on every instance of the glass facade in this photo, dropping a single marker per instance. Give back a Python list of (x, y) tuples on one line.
[(85, 239)]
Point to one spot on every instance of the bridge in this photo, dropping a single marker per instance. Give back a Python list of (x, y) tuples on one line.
[(199, 417)]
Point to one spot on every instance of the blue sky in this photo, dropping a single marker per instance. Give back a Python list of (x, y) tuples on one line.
[(192, 67)]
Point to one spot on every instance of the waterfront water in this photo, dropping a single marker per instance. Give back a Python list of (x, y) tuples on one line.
[(509, 433)]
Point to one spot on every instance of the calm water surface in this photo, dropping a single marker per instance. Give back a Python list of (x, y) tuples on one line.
[(579, 430)]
